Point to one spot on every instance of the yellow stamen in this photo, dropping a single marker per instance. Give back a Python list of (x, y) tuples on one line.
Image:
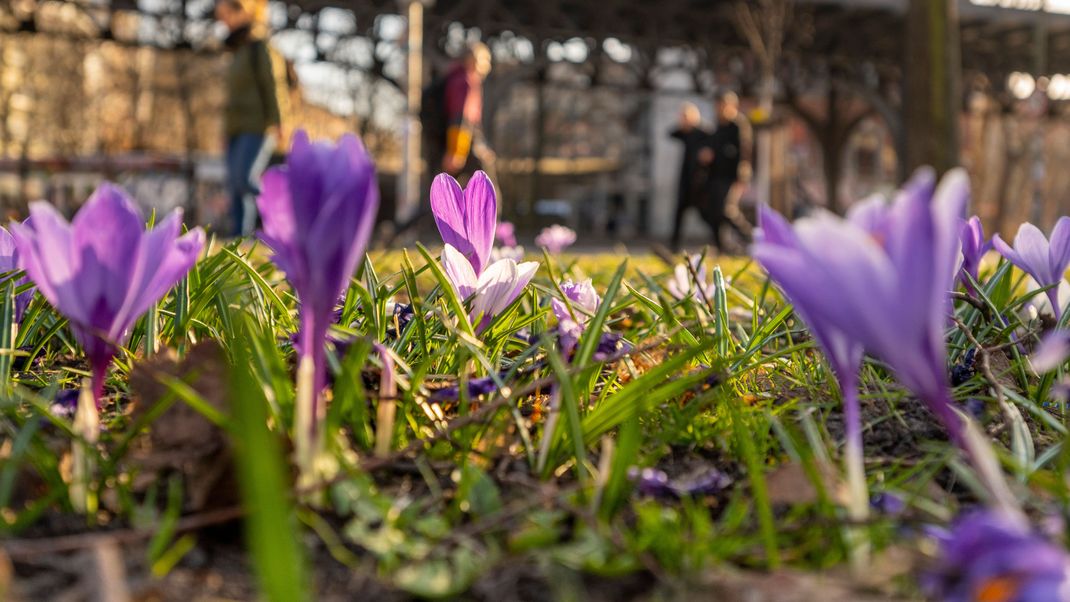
[(998, 589)]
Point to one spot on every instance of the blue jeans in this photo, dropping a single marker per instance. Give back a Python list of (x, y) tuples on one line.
[(247, 156)]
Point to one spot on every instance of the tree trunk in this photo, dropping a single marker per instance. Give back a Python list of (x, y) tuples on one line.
[(932, 84)]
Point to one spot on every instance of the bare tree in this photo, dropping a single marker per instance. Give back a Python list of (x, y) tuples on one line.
[(764, 23)]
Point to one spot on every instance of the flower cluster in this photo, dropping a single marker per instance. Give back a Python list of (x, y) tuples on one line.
[(879, 282)]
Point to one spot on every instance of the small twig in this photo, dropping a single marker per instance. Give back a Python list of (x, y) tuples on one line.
[(28, 548), (987, 372), (700, 286), (985, 310)]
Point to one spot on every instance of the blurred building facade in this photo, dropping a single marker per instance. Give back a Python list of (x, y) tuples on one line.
[(577, 107)]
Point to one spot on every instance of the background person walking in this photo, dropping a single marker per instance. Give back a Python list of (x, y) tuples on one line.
[(251, 118), (721, 156), (452, 116), (689, 188)]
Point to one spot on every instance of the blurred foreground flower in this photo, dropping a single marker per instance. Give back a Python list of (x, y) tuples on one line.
[(318, 213), (104, 269), (974, 247), (1046, 261), (1052, 352), (9, 262), (466, 220), (880, 281), (556, 238), (987, 556), (683, 286)]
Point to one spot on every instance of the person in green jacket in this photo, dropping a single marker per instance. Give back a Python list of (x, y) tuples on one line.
[(251, 119)]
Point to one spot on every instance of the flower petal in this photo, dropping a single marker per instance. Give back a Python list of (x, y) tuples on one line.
[(1059, 251), (524, 273), (480, 217), (446, 205), (495, 290), (164, 259), (107, 233), (1032, 249), (773, 228), (45, 245), (460, 272)]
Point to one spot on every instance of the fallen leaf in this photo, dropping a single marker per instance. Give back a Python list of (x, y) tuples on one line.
[(783, 586), (789, 484), (182, 439), (6, 573)]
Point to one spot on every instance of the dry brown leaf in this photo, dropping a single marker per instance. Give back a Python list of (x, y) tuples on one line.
[(181, 439), (109, 579), (6, 575), (789, 484), (887, 567), (783, 586)]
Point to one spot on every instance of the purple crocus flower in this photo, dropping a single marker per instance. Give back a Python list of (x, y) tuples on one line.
[(476, 387), (466, 218), (65, 403), (887, 503), (987, 555), (318, 213), (403, 314), (611, 346), (9, 262), (879, 281), (974, 247), (682, 286), (556, 238), (104, 269), (656, 483), (584, 301), (506, 234), (1043, 259), (1052, 352), (650, 481)]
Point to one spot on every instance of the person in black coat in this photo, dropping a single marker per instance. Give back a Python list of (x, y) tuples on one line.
[(689, 191), (720, 156)]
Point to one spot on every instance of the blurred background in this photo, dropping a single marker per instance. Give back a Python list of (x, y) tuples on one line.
[(841, 99)]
